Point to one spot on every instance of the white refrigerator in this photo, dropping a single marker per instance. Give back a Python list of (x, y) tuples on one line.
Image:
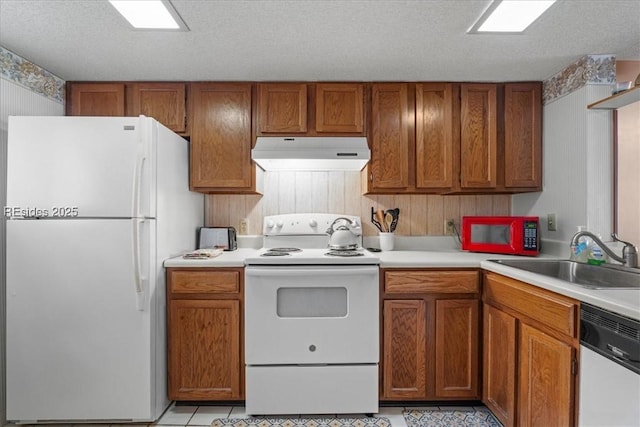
[(94, 206)]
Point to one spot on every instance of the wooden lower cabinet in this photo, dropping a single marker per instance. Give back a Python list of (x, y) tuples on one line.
[(457, 348), (430, 335), (204, 318), (545, 392), (531, 346), (499, 364), (404, 364)]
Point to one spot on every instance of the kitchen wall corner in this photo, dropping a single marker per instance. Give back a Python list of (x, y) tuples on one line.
[(577, 154), (340, 192), (26, 90)]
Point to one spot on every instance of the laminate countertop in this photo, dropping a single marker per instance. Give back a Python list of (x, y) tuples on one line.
[(622, 301)]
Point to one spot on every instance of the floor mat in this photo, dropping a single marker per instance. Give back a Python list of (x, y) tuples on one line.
[(463, 417), (302, 422)]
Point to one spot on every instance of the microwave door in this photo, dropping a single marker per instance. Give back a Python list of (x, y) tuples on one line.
[(493, 234)]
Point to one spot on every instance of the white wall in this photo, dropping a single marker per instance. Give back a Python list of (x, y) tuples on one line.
[(577, 169), (629, 173), (15, 101)]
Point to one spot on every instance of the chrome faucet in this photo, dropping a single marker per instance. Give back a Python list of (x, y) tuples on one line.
[(629, 252)]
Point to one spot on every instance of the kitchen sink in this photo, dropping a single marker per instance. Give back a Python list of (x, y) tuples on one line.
[(585, 275)]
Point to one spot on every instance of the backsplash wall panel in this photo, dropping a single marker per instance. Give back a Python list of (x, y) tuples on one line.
[(339, 192)]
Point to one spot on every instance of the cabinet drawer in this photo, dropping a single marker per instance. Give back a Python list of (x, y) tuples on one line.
[(196, 282), (555, 311), (446, 282)]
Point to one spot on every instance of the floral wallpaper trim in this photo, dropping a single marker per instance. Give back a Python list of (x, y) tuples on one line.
[(590, 69), (15, 68)]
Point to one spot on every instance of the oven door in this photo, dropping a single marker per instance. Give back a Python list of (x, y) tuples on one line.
[(311, 315)]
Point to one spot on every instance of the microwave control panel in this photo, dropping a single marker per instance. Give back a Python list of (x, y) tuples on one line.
[(530, 236)]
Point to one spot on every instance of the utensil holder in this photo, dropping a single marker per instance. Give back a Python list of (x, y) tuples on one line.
[(386, 241)]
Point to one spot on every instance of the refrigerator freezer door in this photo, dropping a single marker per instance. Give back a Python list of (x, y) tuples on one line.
[(96, 165), (77, 346)]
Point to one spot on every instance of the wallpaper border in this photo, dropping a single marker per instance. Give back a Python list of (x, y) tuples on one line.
[(590, 69), (15, 68)]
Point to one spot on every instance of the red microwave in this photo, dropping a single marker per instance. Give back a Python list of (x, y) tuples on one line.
[(514, 235)]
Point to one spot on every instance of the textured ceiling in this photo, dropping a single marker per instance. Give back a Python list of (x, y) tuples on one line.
[(364, 40)]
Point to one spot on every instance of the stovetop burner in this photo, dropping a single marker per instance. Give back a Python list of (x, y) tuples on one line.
[(276, 254), (344, 253)]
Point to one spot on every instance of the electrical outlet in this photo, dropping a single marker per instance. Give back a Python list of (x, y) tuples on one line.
[(449, 227), (551, 222)]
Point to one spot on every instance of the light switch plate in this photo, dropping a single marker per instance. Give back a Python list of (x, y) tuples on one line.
[(551, 222)]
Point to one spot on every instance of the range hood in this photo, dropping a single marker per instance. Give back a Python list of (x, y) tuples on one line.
[(311, 153)]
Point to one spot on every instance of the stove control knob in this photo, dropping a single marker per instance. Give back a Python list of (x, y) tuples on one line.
[(279, 224), (313, 223), (270, 224)]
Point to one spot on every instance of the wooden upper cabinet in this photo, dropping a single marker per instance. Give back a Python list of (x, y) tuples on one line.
[(282, 108), (390, 137), (221, 138), (340, 108), (96, 99), (478, 136), (435, 139), (164, 102), (523, 135)]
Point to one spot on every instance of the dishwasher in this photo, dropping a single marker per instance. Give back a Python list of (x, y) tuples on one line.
[(609, 369)]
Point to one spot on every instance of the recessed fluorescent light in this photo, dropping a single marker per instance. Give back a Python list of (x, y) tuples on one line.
[(150, 14), (510, 16)]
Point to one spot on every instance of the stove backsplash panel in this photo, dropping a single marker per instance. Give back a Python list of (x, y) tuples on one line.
[(340, 192)]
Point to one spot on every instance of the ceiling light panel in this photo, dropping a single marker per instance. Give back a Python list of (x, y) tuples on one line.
[(150, 14), (510, 16)]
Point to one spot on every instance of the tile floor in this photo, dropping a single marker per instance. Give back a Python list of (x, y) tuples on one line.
[(203, 415)]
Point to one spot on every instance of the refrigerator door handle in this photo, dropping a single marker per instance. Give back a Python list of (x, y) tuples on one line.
[(137, 185), (139, 279)]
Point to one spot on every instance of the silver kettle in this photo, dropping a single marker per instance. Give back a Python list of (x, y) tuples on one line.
[(344, 234)]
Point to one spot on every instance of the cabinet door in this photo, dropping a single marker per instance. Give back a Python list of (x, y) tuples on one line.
[(165, 102), (523, 135), (434, 135), (457, 348), (478, 136), (204, 350), (388, 168), (97, 99), (404, 349), (499, 361), (221, 137), (340, 108), (282, 108), (545, 392)]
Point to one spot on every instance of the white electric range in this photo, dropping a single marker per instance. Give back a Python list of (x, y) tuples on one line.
[(311, 321)]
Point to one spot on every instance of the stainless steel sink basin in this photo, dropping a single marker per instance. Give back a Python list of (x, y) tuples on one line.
[(585, 275)]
